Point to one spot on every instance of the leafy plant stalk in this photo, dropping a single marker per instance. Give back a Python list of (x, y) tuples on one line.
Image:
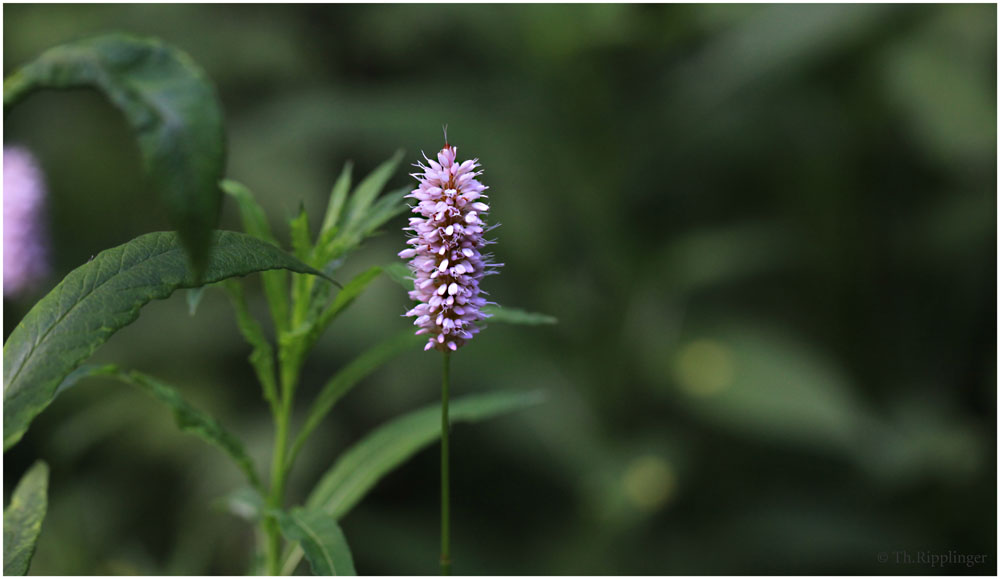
[(278, 472), (175, 113), (290, 360), (445, 494)]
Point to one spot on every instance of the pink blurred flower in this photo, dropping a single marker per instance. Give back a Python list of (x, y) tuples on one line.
[(446, 255), (25, 236)]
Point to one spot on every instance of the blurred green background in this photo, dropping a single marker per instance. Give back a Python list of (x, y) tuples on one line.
[(768, 233)]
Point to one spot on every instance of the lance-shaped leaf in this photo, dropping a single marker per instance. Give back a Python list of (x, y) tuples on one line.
[(251, 213), (190, 419), (172, 109), (400, 273), (517, 316), (338, 196), (342, 382), (22, 519), (255, 223), (301, 239), (321, 539), (390, 445), (262, 355), (102, 296), (337, 242), (368, 190), (345, 227), (345, 297)]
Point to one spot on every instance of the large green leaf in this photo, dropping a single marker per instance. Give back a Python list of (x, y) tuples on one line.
[(342, 382), (320, 538), (100, 297), (22, 519), (170, 105), (361, 466)]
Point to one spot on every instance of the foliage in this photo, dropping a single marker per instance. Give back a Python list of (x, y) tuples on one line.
[(99, 298), (173, 111), (22, 519), (733, 210), (321, 539), (170, 105)]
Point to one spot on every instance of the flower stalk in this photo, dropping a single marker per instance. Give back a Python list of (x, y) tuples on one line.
[(447, 262), (445, 491)]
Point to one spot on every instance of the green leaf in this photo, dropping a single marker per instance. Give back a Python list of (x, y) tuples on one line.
[(191, 420), (301, 244), (400, 273), (296, 343), (363, 215), (255, 223), (516, 316), (188, 418), (22, 519), (388, 206), (358, 469), (262, 354), (345, 297), (102, 296), (85, 371), (368, 190), (172, 109), (342, 382), (764, 383), (338, 196), (321, 538), (251, 213)]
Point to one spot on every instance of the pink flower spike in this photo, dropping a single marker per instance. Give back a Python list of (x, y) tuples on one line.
[(449, 229)]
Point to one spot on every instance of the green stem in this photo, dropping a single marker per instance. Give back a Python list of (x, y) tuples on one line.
[(290, 360), (445, 501), (275, 499)]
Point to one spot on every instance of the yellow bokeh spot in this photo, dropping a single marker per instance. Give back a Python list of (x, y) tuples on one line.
[(704, 367), (649, 482)]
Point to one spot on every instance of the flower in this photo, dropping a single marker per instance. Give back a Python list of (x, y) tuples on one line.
[(446, 255), (25, 239)]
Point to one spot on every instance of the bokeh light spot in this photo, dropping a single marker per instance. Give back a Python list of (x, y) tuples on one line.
[(704, 367), (649, 482)]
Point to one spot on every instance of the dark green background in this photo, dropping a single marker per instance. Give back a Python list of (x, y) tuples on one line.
[(768, 233)]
